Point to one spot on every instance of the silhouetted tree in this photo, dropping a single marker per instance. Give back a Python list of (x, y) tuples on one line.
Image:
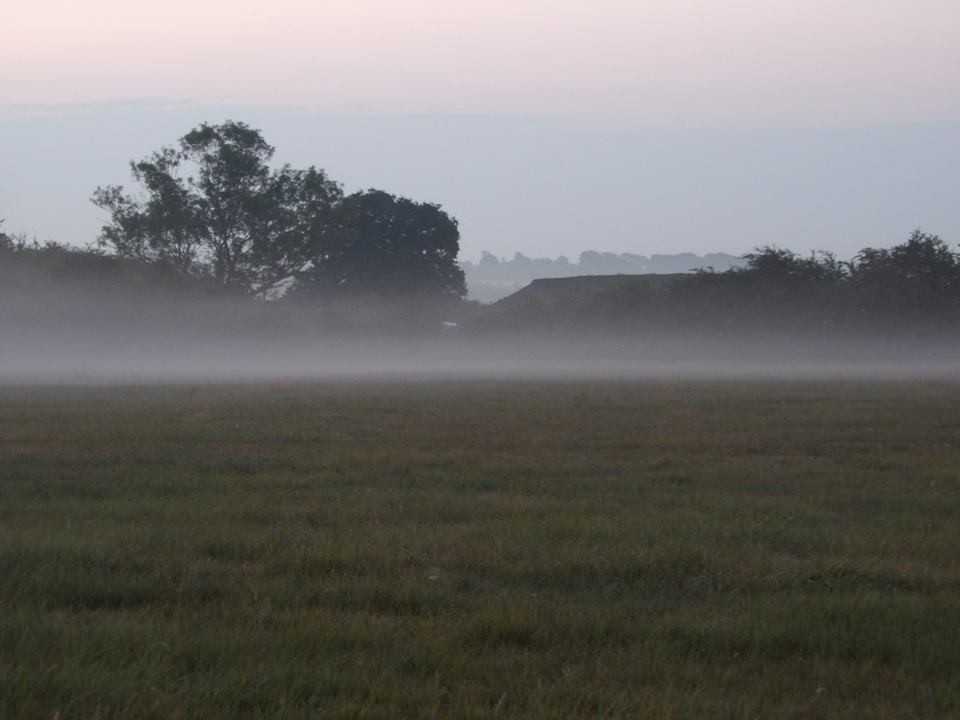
[(235, 219), (915, 284), (380, 245), (778, 265), (13, 243), (6, 242), (263, 230), (920, 275)]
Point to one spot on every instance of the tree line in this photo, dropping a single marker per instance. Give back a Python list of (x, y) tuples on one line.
[(212, 213), (493, 278), (522, 268), (912, 288), (917, 281)]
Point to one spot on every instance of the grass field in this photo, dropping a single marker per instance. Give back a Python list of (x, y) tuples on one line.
[(481, 549)]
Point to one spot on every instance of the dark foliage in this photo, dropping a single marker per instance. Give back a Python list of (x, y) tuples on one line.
[(916, 283), (10, 243), (215, 218), (382, 245), (264, 230), (34, 271), (912, 287), (920, 276)]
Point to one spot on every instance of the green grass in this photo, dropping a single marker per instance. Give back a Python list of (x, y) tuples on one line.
[(556, 550)]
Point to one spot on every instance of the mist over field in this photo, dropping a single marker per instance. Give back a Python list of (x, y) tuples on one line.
[(220, 264), (69, 317), (81, 335)]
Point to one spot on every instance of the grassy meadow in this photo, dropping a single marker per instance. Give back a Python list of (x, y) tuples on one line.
[(581, 549)]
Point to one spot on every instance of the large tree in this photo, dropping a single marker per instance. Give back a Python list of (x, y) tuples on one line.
[(214, 206), (918, 276), (385, 246)]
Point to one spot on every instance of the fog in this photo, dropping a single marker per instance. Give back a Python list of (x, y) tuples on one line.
[(104, 335)]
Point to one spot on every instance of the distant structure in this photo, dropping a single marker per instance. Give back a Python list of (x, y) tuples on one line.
[(493, 278)]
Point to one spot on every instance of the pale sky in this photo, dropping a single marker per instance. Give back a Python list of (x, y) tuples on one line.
[(697, 62), (713, 97)]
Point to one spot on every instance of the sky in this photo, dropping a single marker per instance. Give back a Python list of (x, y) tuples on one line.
[(545, 126)]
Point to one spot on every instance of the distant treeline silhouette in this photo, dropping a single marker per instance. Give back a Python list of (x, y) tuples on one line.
[(212, 219), (914, 286), (492, 278)]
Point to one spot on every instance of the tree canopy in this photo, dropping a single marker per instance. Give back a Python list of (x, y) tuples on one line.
[(382, 244), (214, 206), (916, 283)]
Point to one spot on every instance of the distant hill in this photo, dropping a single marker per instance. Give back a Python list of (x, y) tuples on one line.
[(581, 301), (494, 278)]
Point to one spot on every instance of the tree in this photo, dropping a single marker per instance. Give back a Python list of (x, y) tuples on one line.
[(6, 242), (380, 245), (264, 231), (919, 275), (235, 219), (779, 265), (12, 243)]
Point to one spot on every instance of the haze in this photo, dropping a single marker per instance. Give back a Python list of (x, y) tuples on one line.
[(545, 127)]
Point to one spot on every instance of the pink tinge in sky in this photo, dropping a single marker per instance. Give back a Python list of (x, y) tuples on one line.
[(623, 62)]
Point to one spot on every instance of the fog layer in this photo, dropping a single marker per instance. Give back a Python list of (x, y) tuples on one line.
[(72, 336)]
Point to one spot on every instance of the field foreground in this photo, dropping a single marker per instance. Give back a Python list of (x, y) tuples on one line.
[(556, 550)]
